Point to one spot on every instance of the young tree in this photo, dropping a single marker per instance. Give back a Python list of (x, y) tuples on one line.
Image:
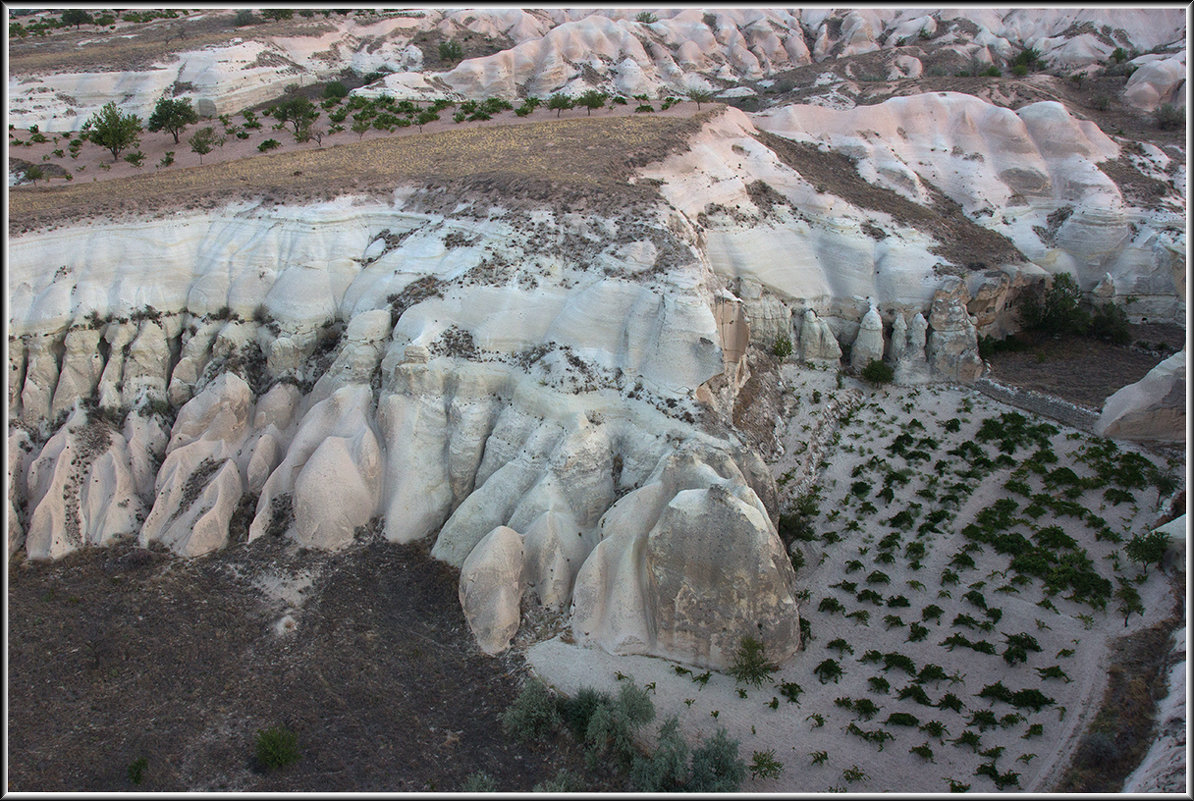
[(450, 51), (424, 118), (298, 111), (203, 141), (361, 124), (76, 17), (590, 100), (173, 116), (699, 96), (559, 102), (112, 129)]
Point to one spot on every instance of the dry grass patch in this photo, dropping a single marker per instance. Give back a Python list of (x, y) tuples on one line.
[(581, 159)]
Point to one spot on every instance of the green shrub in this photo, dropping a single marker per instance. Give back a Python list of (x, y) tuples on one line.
[(534, 713), (992, 72), (563, 782), (479, 782), (268, 144), (666, 769), (782, 348), (716, 766), (764, 765), (577, 711), (1060, 311), (645, 107), (335, 89), (1110, 323), (450, 50), (645, 17), (136, 770), (1147, 548), (244, 17), (878, 372), (750, 664), (612, 726), (276, 747), (1170, 117)]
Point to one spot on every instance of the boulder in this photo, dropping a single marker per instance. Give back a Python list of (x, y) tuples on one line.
[(952, 348), (1152, 409), (491, 589), (817, 341), (868, 345)]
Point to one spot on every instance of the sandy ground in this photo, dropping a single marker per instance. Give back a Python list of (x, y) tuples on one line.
[(791, 730)]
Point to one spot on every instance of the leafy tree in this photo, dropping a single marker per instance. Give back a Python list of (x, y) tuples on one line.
[(645, 17), (172, 115), (450, 51), (1147, 548), (277, 13), (112, 129), (299, 112), (203, 141), (424, 118), (1119, 55), (34, 173), (335, 89), (1170, 117), (591, 99), (361, 124), (558, 102), (76, 17), (1060, 311), (699, 96)]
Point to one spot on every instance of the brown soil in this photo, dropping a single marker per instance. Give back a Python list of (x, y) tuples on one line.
[(588, 155), (962, 242), (121, 653), (92, 49), (1082, 370)]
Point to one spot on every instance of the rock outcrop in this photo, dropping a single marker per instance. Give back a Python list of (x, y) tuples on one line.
[(952, 347), (817, 341), (689, 564), (1152, 409), (868, 345)]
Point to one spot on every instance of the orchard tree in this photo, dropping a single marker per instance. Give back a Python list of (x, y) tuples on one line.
[(203, 141), (558, 102), (591, 99), (425, 117), (298, 111), (112, 129), (699, 96), (76, 17), (173, 116)]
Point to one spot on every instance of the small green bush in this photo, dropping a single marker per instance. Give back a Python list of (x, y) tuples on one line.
[(268, 144), (782, 348), (878, 372), (276, 747), (563, 782), (665, 770), (645, 17), (479, 782), (716, 766), (136, 770), (764, 765), (450, 50), (1170, 117), (750, 664), (612, 726), (534, 713)]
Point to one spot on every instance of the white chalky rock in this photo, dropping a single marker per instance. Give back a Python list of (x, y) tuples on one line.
[(81, 490), (491, 589), (41, 376), (82, 366), (868, 345), (899, 339), (817, 341), (147, 367), (20, 456), (199, 524), (690, 564), (148, 439), (118, 336), (196, 350), (331, 475), (1152, 409), (1157, 82), (555, 546)]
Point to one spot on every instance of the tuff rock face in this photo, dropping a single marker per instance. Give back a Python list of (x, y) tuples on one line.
[(1152, 409), (547, 392)]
